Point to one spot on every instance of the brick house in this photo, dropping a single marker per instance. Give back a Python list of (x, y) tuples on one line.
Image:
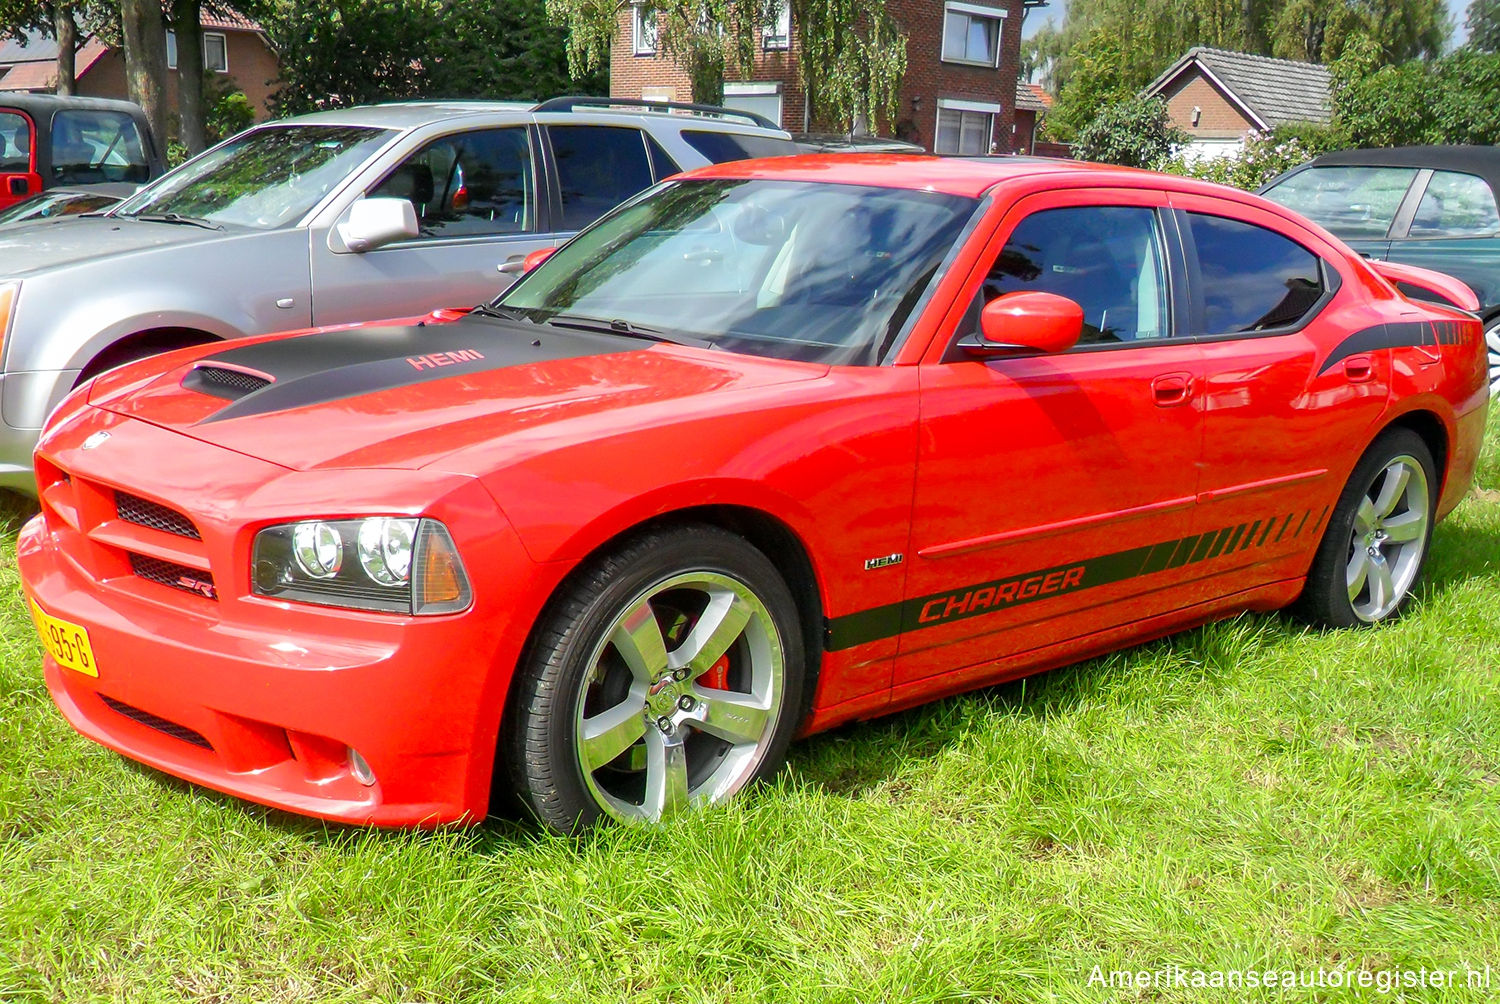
[(234, 47), (1218, 97), (960, 94)]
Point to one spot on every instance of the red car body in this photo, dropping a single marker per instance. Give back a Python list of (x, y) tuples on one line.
[(950, 524)]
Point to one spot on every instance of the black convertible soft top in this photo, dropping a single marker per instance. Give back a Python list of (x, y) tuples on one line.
[(1481, 160)]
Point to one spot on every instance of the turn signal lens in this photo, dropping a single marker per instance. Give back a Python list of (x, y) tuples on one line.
[(8, 293), (440, 585)]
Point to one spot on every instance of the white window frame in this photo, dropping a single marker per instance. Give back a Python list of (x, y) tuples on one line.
[(639, 45), (756, 89), (997, 14), (172, 50), (777, 36), (223, 39), (959, 105)]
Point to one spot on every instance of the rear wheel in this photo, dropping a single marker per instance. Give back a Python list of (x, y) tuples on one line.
[(1376, 542), (1492, 343), (669, 676)]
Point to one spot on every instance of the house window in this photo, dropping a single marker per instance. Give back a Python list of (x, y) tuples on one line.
[(778, 34), (761, 98), (971, 34), (643, 29), (964, 127), (215, 51)]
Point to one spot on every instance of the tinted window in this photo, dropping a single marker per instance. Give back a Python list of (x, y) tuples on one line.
[(1455, 205), (598, 167), (721, 147), (470, 184), (1108, 259), (1252, 278), (1353, 202), (661, 161), (794, 270), (15, 144), (92, 146)]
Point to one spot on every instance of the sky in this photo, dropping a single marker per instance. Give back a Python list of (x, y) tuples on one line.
[(1055, 9)]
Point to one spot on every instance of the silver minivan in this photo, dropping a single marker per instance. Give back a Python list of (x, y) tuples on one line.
[(336, 217)]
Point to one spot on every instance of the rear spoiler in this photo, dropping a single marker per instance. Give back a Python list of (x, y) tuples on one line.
[(1442, 287)]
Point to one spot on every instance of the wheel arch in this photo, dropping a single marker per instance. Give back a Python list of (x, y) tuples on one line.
[(140, 344)]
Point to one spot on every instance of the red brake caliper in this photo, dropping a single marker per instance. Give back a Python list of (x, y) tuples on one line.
[(717, 677)]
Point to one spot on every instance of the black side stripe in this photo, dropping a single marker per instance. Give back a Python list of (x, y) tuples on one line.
[(1394, 335), (1002, 594)]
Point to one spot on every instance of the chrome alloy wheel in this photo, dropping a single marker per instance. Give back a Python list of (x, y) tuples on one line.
[(681, 699), (1492, 344), (1390, 534)]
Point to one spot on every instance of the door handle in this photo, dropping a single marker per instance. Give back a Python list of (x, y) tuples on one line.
[(1359, 369), (1171, 389), (512, 265)]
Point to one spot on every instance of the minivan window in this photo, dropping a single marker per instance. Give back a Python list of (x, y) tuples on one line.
[(97, 146), (1252, 278), (15, 143), (1354, 202), (267, 178), (598, 167)]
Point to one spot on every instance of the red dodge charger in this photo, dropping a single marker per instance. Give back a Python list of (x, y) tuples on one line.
[(775, 446)]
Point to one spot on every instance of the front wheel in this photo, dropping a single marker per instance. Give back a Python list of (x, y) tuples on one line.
[(668, 676), (1376, 541)]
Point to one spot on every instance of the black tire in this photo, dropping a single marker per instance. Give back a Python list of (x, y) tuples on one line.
[(541, 743), (1325, 598)]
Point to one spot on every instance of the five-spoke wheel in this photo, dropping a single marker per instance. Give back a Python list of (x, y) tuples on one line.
[(669, 677)]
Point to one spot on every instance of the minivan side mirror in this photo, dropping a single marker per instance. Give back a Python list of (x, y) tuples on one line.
[(1027, 321), (373, 223)]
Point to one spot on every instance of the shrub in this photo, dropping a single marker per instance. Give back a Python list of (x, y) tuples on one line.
[(1135, 133)]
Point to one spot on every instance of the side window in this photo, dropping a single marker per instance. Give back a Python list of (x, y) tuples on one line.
[(722, 147), (1353, 202), (15, 144), (598, 167), (471, 184), (662, 163), (1107, 259), (1456, 205), (1253, 279)]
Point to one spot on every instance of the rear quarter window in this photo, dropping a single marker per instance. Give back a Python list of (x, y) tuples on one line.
[(1456, 205), (723, 147)]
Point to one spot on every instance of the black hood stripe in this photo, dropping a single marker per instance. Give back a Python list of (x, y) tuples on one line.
[(336, 365)]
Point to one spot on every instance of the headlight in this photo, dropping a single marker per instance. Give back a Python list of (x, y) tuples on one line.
[(389, 563)]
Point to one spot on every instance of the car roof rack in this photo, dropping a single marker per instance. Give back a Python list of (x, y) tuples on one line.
[(568, 103)]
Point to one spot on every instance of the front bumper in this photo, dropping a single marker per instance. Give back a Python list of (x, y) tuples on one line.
[(262, 699)]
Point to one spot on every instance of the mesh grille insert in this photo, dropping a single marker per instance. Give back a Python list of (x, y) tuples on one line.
[(144, 512), (169, 573), (222, 382), (161, 725)]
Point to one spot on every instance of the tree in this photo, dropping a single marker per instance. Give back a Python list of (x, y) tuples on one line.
[(1483, 23), (145, 41), (1447, 100), (1135, 133), (185, 18), (55, 19)]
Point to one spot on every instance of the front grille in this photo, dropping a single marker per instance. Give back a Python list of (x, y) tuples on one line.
[(169, 573), (222, 382), (161, 725), (144, 512)]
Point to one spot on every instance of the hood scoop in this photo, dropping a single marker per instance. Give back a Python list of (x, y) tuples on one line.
[(221, 381)]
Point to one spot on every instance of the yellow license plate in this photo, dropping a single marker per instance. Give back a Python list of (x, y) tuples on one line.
[(65, 642)]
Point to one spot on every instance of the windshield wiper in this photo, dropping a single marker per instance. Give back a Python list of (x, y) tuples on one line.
[(177, 218), (619, 326), (500, 313)]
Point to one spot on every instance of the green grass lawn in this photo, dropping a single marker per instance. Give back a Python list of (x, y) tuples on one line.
[(1249, 795)]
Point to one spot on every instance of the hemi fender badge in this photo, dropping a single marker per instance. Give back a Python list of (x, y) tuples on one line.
[(883, 562)]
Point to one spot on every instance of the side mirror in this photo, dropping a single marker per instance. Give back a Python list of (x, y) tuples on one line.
[(373, 223), (1040, 322), (534, 259)]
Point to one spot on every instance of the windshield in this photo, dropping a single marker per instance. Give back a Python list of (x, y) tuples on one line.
[(796, 270), (265, 178)]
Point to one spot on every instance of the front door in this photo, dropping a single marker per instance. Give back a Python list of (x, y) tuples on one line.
[(18, 176), (479, 213), (1054, 491)]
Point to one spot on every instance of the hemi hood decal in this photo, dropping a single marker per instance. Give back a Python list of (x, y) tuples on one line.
[(332, 365), (1394, 335)]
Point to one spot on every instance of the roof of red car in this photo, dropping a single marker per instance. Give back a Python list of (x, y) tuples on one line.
[(970, 177)]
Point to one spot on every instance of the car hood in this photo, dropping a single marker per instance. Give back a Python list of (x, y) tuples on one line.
[(409, 395), (32, 246)]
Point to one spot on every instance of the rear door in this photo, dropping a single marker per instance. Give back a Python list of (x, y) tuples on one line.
[(596, 167), (18, 174), (1053, 491), (1296, 375), (480, 209)]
